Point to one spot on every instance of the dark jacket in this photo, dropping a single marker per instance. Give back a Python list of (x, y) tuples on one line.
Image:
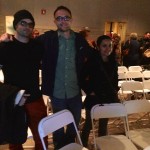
[(13, 123), (49, 61), (101, 78), (132, 58)]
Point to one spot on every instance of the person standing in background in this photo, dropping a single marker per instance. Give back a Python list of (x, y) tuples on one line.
[(132, 48)]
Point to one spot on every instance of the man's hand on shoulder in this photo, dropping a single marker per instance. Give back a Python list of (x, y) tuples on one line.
[(6, 37)]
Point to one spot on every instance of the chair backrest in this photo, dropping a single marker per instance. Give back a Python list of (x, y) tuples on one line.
[(137, 106), (19, 96), (54, 122), (146, 74), (108, 111), (134, 74), (131, 85), (121, 75), (135, 68), (146, 84), (122, 69)]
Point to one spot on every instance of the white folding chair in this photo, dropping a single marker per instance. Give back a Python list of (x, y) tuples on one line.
[(133, 87), (135, 68), (131, 75), (122, 69), (56, 121), (140, 137), (111, 142), (146, 74), (147, 148)]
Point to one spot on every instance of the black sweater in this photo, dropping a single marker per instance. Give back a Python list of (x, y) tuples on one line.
[(21, 63), (101, 78)]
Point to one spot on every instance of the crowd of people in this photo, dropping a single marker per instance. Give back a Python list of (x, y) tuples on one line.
[(134, 49), (70, 62)]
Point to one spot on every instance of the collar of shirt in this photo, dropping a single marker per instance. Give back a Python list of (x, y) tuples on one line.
[(61, 34)]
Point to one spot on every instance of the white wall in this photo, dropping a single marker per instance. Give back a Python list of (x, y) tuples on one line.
[(91, 13)]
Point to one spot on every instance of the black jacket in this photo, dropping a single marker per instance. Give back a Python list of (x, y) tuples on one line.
[(49, 61), (101, 78), (13, 123)]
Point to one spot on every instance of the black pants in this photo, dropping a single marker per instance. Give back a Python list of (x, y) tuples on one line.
[(102, 130)]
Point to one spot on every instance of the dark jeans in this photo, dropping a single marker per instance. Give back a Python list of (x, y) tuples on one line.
[(63, 137), (102, 130)]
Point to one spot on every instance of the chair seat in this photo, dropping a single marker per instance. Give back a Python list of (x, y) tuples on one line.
[(73, 146), (140, 137), (114, 142), (147, 148)]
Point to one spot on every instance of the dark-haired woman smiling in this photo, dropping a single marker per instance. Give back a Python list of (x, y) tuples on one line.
[(100, 83)]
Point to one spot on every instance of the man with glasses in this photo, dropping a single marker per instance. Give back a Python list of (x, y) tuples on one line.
[(21, 59), (64, 56)]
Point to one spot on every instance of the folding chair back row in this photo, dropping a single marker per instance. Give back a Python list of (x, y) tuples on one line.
[(122, 69), (114, 142), (131, 68), (130, 75), (56, 121), (135, 68), (146, 74)]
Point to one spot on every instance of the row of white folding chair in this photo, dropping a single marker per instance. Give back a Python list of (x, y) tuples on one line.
[(116, 142), (130, 75), (56, 121), (134, 74), (131, 68)]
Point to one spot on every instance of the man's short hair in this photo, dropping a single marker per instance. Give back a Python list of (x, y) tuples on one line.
[(62, 8)]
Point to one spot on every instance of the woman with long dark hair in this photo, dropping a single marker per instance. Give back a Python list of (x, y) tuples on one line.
[(100, 83)]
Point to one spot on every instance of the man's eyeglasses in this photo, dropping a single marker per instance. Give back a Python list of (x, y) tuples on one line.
[(65, 18), (26, 24), (105, 45)]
